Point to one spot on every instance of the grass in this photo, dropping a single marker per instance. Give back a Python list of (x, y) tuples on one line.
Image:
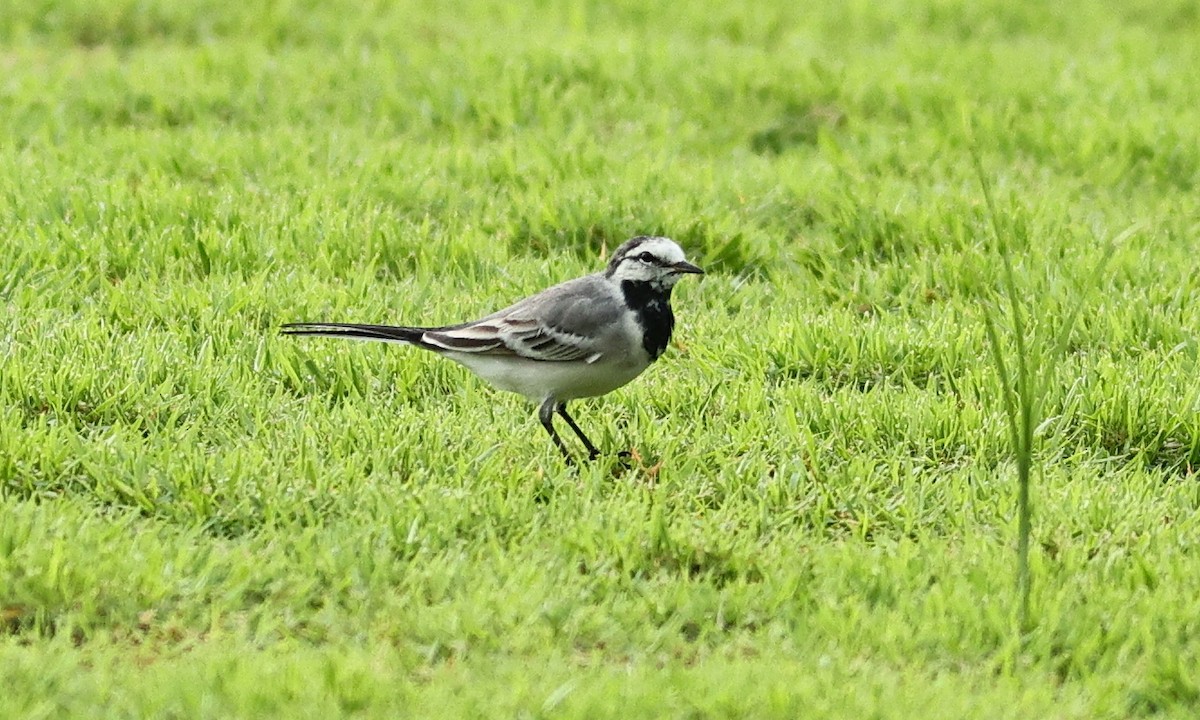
[(1024, 386), (202, 519)]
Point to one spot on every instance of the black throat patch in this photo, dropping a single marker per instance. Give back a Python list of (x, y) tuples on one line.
[(653, 307)]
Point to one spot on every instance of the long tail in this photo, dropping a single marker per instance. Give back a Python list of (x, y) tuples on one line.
[(386, 333)]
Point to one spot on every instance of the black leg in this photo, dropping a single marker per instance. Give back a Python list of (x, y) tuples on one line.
[(546, 415), (593, 453)]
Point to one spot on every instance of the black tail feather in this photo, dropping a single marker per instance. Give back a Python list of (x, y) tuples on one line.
[(388, 333)]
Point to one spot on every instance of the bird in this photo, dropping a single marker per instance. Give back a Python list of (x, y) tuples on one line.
[(581, 338)]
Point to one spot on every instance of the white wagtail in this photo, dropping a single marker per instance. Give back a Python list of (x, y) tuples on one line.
[(581, 338)]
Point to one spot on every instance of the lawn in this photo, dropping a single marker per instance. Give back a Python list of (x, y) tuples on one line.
[(201, 518)]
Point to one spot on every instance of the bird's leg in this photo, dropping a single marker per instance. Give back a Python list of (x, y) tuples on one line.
[(546, 415), (593, 453)]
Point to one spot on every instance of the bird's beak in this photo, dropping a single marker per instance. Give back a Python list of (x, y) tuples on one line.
[(684, 266)]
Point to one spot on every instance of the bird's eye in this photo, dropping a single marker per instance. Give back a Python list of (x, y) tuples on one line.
[(646, 258)]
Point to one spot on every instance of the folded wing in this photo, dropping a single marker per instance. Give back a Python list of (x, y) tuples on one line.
[(568, 322)]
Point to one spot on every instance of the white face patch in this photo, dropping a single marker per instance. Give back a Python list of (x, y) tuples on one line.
[(650, 261)]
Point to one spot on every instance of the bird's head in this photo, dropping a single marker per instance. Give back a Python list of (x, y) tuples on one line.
[(655, 260)]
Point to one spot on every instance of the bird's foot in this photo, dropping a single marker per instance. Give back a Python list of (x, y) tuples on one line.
[(624, 462)]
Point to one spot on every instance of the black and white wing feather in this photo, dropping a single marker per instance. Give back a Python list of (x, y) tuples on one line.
[(568, 322)]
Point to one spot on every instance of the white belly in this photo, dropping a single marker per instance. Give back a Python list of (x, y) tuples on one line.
[(539, 380)]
